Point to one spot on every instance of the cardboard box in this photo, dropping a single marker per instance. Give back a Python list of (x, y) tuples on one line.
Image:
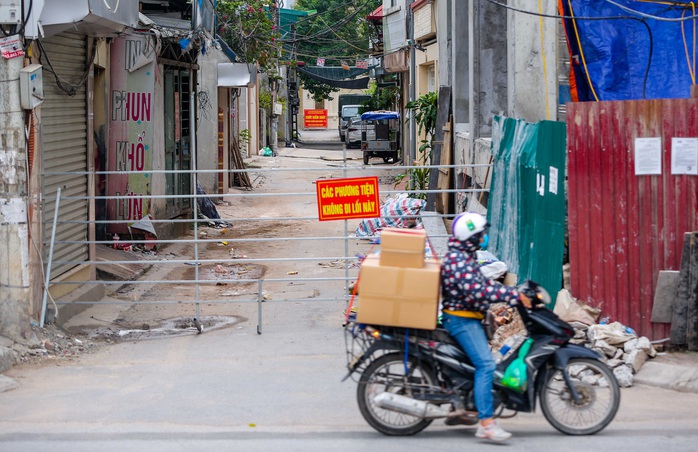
[(402, 247), (398, 296)]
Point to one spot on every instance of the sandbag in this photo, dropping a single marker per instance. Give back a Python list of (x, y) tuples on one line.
[(570, 309), (613, 333)]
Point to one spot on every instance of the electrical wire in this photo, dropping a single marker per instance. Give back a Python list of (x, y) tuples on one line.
[(336, 25), (340, 38), (691, 67), (70, 88), (332, 57), (317, 15), (581, 53), (650, 16)]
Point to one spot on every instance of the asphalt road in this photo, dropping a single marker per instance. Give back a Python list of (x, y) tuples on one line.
[(324, 145), (233, 389)]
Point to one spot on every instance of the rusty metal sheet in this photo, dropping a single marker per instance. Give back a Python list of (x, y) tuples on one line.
[(623, 228)]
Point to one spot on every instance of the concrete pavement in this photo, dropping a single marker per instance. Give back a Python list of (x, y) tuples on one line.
[(676, 371), (671, 370)]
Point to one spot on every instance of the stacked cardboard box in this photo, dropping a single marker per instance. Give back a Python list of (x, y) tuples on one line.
[(400, 287), (402, 247)]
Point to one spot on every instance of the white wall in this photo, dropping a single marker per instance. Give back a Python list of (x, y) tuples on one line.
[(207, 118), (530, 86)]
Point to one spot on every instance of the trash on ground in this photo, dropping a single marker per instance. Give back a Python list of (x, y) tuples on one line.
[(620, 346), (207, 208), (266, 152)]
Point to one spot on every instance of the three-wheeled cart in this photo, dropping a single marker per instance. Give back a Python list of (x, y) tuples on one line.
[(386, 141)]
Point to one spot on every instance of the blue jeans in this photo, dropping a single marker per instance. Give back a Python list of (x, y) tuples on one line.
[(471, 336)]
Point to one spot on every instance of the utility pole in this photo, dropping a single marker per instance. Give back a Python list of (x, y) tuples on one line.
[(273, 87), (413, 129), (292, 100), (14, 228)]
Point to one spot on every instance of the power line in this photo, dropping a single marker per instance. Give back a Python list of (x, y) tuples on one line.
[(329, 29)]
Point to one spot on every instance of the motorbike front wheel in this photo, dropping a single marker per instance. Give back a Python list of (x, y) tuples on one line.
[(390, 374), (599, 397)]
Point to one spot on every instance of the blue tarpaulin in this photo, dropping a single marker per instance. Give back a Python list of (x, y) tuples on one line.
[(627, 56), (378, 115)]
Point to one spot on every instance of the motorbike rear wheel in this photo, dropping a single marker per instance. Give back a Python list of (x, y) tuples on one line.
[(599, 397), (388, 374)]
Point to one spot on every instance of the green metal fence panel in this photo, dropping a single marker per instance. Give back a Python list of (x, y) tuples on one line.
[(527, 199)]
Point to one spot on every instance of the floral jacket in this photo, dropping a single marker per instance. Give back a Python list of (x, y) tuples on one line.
[(463, 287)]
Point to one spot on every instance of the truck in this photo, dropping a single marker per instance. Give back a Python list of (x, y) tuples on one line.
[(349, 106)]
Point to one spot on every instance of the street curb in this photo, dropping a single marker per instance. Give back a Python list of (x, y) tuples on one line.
[(7, 358), (7, 383), (668, 376)]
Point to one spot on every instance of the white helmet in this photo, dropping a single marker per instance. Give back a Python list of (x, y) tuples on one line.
[(467, 225)]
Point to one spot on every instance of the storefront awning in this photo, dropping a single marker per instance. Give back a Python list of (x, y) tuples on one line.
[(236, 75), (377, 14), (90, 17)]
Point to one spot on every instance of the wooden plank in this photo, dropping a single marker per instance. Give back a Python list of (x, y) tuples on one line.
[(442, 200), (443, 112)]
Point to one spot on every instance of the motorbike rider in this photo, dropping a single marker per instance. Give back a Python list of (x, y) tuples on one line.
[(466, 296)]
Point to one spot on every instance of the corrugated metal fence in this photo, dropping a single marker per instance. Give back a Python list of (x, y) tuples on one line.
[(625, 228)]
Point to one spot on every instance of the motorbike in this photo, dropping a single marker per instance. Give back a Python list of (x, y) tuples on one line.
[(407, 378)]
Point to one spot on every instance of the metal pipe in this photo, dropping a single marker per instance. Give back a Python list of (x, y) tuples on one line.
[(193, 150), (47, 278), (413, 128), (358, 168), (260, 298)]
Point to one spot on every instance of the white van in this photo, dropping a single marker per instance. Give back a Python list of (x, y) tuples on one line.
[(348, 112)]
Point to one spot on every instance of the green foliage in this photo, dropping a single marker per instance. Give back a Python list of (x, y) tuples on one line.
[(424, 112), (318, 90), (383, 98), (247, 27), (265, 100), (338, 31), (245, 136)]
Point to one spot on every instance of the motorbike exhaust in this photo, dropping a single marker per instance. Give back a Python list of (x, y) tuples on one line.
[(408, 405)]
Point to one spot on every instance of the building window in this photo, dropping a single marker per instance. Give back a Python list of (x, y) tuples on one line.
[(431, 79)]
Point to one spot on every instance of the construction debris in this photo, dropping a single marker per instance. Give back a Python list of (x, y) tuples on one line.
[(620, 347)]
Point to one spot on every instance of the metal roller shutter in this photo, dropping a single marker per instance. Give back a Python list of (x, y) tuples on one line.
[(64, 138)]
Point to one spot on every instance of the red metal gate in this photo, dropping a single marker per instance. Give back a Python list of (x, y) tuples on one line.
[(623, 228)]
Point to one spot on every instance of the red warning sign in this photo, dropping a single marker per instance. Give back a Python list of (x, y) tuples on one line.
[(344, 199)]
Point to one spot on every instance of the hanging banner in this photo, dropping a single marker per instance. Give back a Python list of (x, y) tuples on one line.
[(362, 64), (349, 198), (315, 119), (321, 62)]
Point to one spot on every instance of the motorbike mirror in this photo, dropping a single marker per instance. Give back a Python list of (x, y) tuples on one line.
[(534, 290)]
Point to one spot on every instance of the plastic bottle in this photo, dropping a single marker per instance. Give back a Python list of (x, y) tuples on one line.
[(605, 320), (507, 346), (116, 241)]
